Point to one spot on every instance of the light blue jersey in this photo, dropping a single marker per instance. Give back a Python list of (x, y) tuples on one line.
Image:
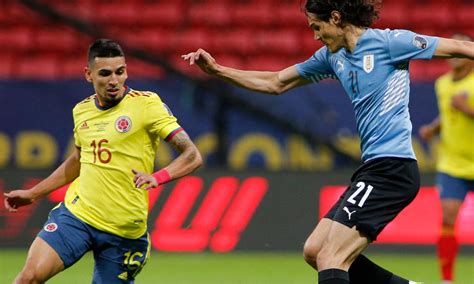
[(375, 77)]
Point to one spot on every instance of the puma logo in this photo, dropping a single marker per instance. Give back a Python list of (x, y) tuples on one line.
[(348, 212)]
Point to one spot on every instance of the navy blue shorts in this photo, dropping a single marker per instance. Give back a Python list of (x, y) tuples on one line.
[(117, 259), (450, 187)]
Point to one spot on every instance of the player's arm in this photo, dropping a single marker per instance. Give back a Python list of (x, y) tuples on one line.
[(64, 174), (274, 83), (427, 131), (449, 48), (188, 160), (460, 102)]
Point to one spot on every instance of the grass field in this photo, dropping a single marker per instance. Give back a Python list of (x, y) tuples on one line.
[(240, 268)]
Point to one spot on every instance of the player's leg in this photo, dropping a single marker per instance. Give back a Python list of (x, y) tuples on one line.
[(361, 271), (315, 242), (62, 241), (379, 191), (448, 246), (340, 248), (119, 260), (42, 263), (452, 192)]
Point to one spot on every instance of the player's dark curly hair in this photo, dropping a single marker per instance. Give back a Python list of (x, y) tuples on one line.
[(359, 13), (104, 48)]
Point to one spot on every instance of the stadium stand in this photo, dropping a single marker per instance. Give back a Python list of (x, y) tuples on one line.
[(247, 34)]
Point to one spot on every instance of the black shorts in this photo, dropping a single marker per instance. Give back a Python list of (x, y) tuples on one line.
[(379, 190)]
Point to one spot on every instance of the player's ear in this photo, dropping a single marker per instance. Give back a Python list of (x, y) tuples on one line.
[(87, 74), (336, 17)]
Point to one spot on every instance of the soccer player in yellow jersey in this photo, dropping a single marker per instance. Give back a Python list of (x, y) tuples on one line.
[(117, 132), (455, 166)]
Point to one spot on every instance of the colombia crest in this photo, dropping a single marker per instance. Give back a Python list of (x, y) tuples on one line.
[(123, 124)]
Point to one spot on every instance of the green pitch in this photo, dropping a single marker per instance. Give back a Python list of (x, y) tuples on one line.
[(272, 268)]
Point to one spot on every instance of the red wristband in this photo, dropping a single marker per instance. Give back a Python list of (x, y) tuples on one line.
[(162, 176)]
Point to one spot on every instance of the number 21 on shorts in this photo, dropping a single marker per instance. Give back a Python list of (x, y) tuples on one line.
[(360, 187)]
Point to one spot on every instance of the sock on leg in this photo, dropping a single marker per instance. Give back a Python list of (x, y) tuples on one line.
[(364, 271), (333, 276), (447, 251)]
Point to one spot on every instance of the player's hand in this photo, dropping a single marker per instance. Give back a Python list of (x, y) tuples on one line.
[(17, 198), (426, 132), (142, 178), (459, 102), (203, 59)]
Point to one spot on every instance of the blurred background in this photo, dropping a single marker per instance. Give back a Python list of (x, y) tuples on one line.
[(273, 164)]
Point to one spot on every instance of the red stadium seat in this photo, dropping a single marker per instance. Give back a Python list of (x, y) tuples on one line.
[(17, 39), (23, 15), (463, 15), (155, 40), (141, 70), (392, 16), (432, 15), (193, 39), (55, 39), (72, 67), (6, 66), (128, 14), (252, 14), (167, 13), (209, 14), (282, 42), (240, 41), (38, 67), (289, 14)]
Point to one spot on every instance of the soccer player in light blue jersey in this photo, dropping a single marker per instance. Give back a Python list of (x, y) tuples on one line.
[(372, 65)]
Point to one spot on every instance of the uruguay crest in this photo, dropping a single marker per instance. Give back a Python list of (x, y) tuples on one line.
[(123, 124), (368, 63)]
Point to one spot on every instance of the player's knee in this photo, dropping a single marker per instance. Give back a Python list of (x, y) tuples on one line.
[(310, 253), (27, 276), (30, 275)]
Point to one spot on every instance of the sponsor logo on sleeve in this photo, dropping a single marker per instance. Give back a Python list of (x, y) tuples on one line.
[(420, 42)]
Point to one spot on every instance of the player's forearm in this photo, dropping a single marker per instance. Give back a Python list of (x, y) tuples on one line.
[(468, 111), (450, 48), (64, 174), (260, 81), (185, 163), (435, 126)]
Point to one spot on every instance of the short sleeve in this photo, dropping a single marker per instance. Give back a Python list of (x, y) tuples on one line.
[(405, 45), (160, 119), (77, 141), (317, 67)]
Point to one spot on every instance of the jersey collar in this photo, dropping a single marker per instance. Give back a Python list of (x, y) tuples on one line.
[(96, 100)]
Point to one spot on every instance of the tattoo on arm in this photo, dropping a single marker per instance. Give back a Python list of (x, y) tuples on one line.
[(181, 142)]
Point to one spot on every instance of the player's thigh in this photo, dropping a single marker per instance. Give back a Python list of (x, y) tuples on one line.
[(450, 187), (42, 262), (119, 260), (68, 236), (452, 192)]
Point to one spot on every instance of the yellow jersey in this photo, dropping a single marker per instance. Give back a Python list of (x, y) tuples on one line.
[(456, 151), (114, 141)]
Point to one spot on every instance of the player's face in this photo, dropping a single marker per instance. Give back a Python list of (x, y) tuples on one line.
[(108, 75), (326, 32)]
